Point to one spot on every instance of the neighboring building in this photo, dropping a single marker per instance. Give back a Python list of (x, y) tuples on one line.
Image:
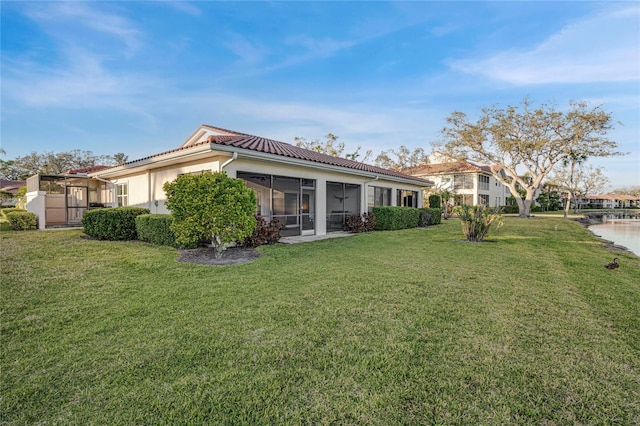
[(8, 191), (474, 184), (609, 201), (311, 193)]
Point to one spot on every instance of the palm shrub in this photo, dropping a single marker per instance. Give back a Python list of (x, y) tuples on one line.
[(210, 206), (477, 220)]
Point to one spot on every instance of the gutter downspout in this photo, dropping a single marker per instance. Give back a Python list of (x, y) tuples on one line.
[(229, 161)]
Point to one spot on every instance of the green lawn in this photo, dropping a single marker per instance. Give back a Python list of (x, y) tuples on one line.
[(405, 327)]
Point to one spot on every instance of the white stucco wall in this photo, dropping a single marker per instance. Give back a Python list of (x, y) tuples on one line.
[(36, 204), (146, 186)]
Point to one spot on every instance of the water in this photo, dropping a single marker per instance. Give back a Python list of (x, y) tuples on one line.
[(623, 228)]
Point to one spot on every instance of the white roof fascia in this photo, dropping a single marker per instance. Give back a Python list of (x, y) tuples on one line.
[(153, 161)]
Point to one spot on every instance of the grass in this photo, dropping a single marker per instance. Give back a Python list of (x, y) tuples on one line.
[(404, 327)]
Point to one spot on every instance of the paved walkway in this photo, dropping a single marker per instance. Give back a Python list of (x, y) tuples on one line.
[(307, 238)]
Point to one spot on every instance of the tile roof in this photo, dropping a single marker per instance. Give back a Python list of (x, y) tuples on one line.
[(90, 169), (269, 146), (612, 197), (452, 167)]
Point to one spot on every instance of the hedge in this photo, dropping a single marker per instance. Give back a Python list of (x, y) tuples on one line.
[(8, 210), (20, 220), (429, 216), (155, 229), (390, 218), (112, 224)]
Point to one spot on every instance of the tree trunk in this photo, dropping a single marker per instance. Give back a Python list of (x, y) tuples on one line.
[(524, 207), (567, 204)]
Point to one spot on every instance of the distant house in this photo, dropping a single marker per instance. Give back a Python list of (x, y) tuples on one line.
[(311, 193), (8, 191), (474, 184), (609, 201)]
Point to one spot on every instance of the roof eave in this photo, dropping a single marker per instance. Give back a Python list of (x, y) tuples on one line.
[(321, 166)]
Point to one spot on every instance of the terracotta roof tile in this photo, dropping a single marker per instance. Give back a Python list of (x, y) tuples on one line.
[(453, 167), (90, 169), (270, 146)]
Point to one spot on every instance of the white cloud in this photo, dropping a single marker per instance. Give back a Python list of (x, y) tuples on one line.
[(58, 18), (601, 48)]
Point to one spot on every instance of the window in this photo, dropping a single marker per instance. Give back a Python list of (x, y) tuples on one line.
[(122, 194), (379, 197), (483, 199), (462, 182), (407, 198), (483, 182)]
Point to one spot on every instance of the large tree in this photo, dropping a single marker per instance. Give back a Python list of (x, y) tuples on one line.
[(526, 142), (331, 146), (402, 159), (55, 163)]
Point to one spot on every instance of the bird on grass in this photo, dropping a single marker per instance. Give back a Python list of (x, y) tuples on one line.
[(612, 265)]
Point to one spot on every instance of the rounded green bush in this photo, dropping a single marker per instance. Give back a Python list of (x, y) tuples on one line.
[(112, 224)]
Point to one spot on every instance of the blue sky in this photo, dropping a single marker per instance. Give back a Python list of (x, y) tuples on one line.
[(140, 77)]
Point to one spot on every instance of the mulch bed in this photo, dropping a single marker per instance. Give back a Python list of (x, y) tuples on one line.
[(231, 256)]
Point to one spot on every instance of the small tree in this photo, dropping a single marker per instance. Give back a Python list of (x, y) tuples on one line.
[(435, 201), (210, 206), (477, 220)]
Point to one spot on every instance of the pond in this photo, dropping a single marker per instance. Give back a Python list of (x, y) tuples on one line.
[(623, 228)]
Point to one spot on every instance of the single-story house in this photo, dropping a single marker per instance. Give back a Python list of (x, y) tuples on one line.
[(311, 193)]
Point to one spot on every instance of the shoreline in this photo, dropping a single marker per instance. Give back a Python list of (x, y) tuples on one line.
[(611, 245)]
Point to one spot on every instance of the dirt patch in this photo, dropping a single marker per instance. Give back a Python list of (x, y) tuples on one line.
[(231, 256)]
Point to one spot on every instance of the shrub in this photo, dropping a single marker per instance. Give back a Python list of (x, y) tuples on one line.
[(264, 233), (20, 220), (390, 218), (435, 201), (361, 223), (112, 224), (477, 220), (155, 229), (210, 206), (6, 211), (509, 209), (430, 216)]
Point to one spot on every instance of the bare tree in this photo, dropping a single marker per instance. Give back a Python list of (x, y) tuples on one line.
[(331, 146), (578, 180), (402, 159), (528, 140)]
